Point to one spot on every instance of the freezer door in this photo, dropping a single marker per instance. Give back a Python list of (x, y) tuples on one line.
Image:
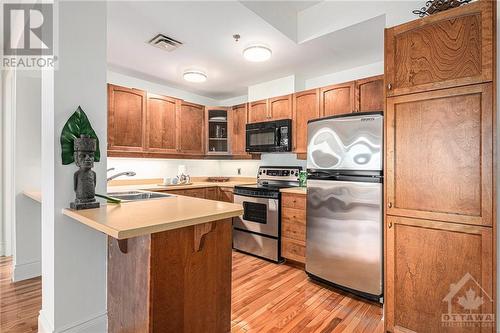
[(344, 233), (346, 143)]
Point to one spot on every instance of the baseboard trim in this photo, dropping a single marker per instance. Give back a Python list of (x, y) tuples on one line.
[(44, 324), (26, 271), (95, 324)]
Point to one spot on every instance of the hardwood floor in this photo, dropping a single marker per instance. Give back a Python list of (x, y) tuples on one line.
[(266, 298), (19, 302), (278, 298)]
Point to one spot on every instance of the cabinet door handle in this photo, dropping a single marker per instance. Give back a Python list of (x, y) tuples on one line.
[(389, 86), (389, 205), (390, 225)]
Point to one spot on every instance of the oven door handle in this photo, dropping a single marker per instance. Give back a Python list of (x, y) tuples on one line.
[(254, 196)]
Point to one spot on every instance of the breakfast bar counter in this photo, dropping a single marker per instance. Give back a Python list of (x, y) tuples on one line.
[(138, 218), (169, 263)]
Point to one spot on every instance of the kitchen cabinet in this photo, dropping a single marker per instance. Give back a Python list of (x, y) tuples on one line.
[(369, 94), (219, 125), (439, 173), (430, 265), (257, 111), (305, 108), (191, 128), (239, 121), (211, 193), (226, 194), (448, 134), (293, 226), (171, 281), (126, 119), (280, 107), (337, 99), (191, 192), (161, 123), (451, 49)]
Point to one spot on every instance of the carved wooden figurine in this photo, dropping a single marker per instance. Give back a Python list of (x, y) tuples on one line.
[(85, 177)]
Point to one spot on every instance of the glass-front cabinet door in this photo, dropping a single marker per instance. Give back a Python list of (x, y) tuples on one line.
[(217, 131)]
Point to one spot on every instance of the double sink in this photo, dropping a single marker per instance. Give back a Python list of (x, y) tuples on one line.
[(139, 195)]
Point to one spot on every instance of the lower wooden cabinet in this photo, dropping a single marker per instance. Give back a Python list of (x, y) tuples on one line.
[(293, 227), (435, 273), (192, 192), (211, 193), (226, 194)]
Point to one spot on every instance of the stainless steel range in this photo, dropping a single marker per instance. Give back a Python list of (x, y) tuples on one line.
[(258, 230)]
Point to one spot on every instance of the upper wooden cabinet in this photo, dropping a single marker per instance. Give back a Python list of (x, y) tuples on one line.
[(305, 108), (257, 111), (439, 51), (161, 123), (280, 107), (191, 128), (439, 160), (430, 266), (126, 118), (369, 94), (270, 109), (337, 99), (239, 121)]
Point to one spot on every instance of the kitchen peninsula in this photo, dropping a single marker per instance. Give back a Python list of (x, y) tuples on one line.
[(169, 263)]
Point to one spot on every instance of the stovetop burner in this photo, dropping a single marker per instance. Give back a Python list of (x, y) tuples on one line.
[(270, 179)]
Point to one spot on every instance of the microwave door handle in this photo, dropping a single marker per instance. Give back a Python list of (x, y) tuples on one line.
[(277, 136)]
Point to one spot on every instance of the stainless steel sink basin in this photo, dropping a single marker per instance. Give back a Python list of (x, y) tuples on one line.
[(139, 195)]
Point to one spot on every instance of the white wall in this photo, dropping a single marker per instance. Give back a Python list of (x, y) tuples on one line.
[(73, 255), (159, 168), (346, 75), (278, 87), (27, 176), (318, 20), (156, 88), (8, 190)]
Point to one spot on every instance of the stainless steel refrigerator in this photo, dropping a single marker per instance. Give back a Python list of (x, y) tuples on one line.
[(344, 202)]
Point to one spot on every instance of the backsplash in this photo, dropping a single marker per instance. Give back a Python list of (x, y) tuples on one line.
[(159, 168)]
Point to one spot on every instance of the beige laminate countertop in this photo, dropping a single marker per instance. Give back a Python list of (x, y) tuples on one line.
[(295, 190), (193, 185), (35, 195), (138, 218)]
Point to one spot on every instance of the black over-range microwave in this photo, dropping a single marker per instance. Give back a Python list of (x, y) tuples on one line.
[(269, 136)]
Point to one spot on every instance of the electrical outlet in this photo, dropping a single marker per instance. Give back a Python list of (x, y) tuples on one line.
[(239, 171)]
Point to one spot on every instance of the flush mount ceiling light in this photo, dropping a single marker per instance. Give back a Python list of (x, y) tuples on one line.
[(195, 76), (257, 53)]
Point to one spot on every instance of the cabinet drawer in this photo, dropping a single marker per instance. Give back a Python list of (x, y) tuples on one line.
[(294, 231), (293, 249), (294, 201)]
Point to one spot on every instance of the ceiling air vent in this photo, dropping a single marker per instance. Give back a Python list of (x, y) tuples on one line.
[(164, 42)]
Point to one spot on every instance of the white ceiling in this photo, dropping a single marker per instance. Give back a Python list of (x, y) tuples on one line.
[(206, 29)]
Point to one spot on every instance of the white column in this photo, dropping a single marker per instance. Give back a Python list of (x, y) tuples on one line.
[(73, 256)]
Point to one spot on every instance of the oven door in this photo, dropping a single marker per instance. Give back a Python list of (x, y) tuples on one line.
[(262, 139), (260, 215)]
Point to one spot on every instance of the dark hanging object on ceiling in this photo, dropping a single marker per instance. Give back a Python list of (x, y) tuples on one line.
[(435, 6)]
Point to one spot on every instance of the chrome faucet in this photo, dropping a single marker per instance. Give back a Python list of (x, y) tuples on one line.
[(126, 173)]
